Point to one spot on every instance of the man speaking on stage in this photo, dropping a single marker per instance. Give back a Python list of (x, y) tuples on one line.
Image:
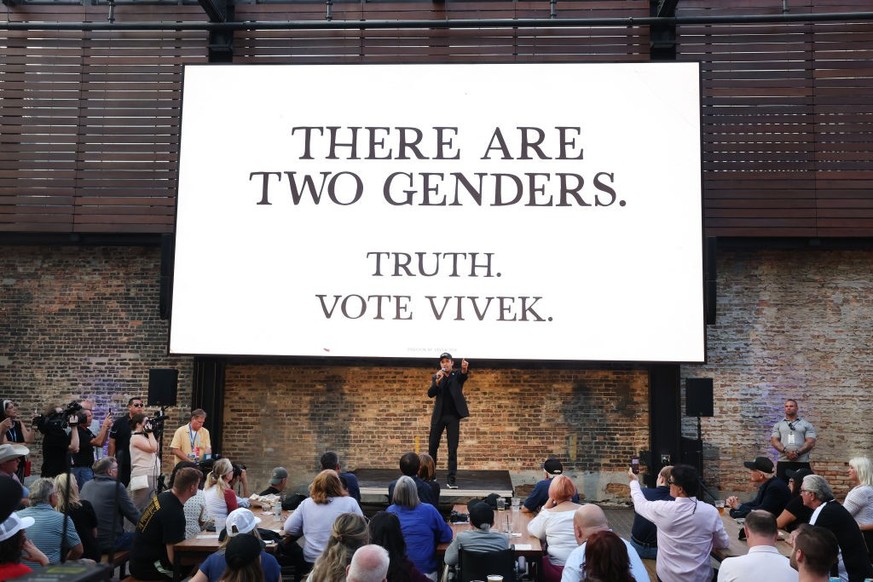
[(449, 408)]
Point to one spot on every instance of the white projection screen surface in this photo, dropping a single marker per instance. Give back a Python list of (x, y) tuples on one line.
[(506, 212)]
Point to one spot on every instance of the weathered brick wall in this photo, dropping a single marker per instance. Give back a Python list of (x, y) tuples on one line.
[(82, 322), (791, 324), (288, 415)]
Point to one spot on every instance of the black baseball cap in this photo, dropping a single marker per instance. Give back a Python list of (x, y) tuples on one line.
[(760, 464), (553, 467), (446, 355)]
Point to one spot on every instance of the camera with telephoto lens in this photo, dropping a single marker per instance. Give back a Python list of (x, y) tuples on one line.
[(57, 420), (155, 424)]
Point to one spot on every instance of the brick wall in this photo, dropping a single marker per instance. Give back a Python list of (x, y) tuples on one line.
[(791, 324), (289, 415), (81, 322)]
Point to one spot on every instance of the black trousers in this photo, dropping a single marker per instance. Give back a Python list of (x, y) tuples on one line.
[(452, 426)]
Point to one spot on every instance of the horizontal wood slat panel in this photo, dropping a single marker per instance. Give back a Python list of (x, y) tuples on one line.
[(89, 120)]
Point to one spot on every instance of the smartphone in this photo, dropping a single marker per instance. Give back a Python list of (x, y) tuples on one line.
[(635, 466)]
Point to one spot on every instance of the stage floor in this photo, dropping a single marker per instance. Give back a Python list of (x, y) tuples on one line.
[(374, 483)]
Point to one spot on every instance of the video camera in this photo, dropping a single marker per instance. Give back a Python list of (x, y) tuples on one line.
[(57, 420), (156, 424)]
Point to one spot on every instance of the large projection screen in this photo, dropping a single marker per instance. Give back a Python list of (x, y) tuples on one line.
[(505, 212)]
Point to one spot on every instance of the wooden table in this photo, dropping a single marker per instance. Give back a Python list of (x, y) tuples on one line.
[(194, 551), (741, 548)]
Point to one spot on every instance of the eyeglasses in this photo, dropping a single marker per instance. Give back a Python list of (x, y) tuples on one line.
[(135, 405)]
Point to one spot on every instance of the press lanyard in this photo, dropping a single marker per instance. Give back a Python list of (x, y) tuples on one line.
[(194, 436)]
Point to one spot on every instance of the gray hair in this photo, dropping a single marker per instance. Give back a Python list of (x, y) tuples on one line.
[(104, 465), (369, 564), (406, 493), (818, 486), (41, 491)]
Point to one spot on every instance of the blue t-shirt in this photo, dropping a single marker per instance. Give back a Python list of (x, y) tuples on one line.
[(215, 565)]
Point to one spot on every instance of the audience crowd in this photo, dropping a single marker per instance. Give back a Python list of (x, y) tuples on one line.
[(88, 503)]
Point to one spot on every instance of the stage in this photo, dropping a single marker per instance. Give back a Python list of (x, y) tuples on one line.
[(374, 484)]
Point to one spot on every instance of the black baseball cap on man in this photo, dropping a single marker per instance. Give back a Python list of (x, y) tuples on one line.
[(762, 464), (553, 467), (446, 356)]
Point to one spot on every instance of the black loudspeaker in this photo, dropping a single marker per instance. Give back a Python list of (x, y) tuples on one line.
[(163, 384), (698, 397)]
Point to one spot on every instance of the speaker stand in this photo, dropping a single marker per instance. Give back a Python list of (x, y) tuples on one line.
[(700, 482)]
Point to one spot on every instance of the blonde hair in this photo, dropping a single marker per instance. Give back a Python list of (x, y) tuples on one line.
[(326, 484), (863, 469), (349, 533), (216, 476), (65, 498)]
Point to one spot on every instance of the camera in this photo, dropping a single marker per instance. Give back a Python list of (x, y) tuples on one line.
[(58, 420)]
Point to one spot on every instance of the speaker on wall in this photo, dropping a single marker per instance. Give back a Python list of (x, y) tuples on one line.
[(698, 397), (163, 384)]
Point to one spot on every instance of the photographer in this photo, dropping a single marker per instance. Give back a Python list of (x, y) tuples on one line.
[(88, 442), (144, 466), (60, 438), (14, 431)]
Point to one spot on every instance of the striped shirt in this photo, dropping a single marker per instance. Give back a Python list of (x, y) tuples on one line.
[(47, 531)]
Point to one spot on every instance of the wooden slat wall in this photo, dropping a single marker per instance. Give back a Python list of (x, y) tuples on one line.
[(89, 121), (787, 114)]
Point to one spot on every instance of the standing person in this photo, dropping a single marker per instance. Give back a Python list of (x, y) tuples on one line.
[(14, 431), (449, 408), (815, 550), (161, 527), (143, 461), (793, 437), (853, 564), (60, 440), (688, 530), (119, 440), (644, 533), (763, 562), (83, 460), (94, 425), (191, 441)]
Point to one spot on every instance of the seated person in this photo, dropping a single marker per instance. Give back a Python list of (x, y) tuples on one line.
[(82, 513), (554, 525), (540, 494), (196, 513), (330, 460), (47, 532), (410, 463), (427, 473), (422, 525), (385, 531), (15, 547), (349, 533), (479, 538), (795, 512), (240, 522), (111, 504), (773, 493)]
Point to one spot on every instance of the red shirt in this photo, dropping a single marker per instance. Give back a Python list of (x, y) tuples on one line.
[(10, 571)]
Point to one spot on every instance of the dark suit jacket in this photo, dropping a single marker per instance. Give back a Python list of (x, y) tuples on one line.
[(451, 387), (773, 495), (837, 518)]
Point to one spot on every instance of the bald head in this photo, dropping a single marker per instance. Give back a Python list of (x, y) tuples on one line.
[(588, 519), (369, 564)]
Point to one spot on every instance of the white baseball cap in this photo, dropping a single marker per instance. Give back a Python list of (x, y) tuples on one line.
[(241, 521), (13, 525)]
